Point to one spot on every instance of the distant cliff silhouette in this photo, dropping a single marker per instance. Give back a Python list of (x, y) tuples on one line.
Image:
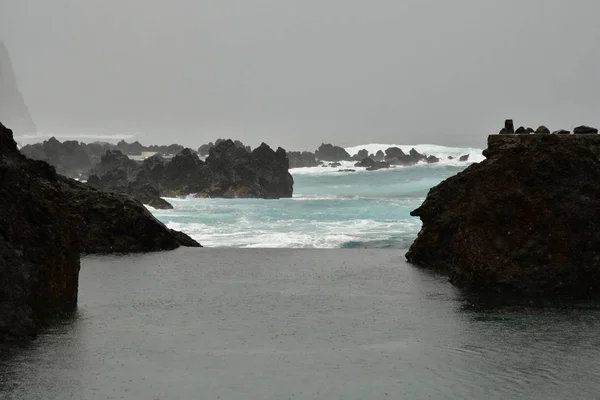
[(13, 110)]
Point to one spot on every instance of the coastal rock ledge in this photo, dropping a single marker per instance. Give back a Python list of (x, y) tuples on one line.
[(46, 222), (525, 220)]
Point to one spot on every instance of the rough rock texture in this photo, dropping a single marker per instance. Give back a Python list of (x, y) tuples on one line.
[(115, 160), (39, 243), (13, 110), (47, 221), (230, 171), (329, 152), (585, 130), (75, 159), (509, 127), (524, 220), (204, 150), (116, 181), (371, 164), (542, 130), (302, 159), (69, 158), (116, 223)]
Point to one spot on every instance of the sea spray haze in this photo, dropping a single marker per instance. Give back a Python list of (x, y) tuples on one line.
[(330, 208)]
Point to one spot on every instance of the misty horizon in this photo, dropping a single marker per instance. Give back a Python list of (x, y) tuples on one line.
[(298, 74)]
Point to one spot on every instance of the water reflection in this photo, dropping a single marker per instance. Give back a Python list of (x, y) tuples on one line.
[(337, 324)]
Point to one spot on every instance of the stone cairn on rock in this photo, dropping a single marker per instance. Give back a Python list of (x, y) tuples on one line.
[(509, 129)]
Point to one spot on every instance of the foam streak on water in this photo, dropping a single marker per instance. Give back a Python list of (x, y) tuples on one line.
[(330, 209)]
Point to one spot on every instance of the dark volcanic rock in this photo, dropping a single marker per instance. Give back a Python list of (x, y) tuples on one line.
[(115, 181), (303, 159), (115, 160), (524, 220), (231, 171), (585, 130), (328, 152), (542, 130), (47, 222), (530, 130), (509, 127), (204, 150), (69, 158), (521, 131), (561, 132), (118, 174), (361, 154), (116, 223), (39, 243), (371, 164), (464, 157)]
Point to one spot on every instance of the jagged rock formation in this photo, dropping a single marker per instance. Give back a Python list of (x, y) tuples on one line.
[(13, 110), (47, 221), (523, 220), (371, 164), (302, 159), (69, 158), (329, 152), (75, 159), (229, 171), (39, 243), (204, 150), (395, 156)]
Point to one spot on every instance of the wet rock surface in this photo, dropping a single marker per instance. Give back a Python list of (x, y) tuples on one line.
[(48, 220), (524, 220)]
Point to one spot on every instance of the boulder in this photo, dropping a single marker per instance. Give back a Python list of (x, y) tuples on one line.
[(464, 157), (329, 152), (509, 127), (521, 131), (585, 130), (522, 221), (542, 130), (360, 155), (372, 165), (561, 132)]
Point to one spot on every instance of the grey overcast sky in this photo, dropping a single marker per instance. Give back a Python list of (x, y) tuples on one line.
[(297, 73)]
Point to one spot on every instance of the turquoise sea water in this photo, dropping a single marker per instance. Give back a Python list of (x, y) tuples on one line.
[(330, 209)]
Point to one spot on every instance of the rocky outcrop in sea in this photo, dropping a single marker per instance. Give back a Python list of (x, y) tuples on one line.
[(522, 221), (47, 222), (229, 171), (75, 159)]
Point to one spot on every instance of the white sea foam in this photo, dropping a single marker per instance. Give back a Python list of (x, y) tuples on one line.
[(246, 234), (443, 152)]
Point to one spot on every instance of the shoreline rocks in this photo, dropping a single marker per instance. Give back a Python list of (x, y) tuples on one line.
[(48, 221), (522, 221)]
